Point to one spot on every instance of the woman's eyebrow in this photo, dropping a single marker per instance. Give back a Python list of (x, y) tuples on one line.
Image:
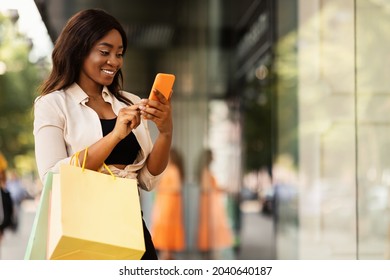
[(108, 45)]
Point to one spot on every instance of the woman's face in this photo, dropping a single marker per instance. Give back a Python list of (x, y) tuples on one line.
[(102, 62)]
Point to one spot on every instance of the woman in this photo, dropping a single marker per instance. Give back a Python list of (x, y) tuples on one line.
[(214, 232), (167, 215), (82, 105)]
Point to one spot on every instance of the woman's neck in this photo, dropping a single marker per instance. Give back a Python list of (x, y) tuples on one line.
[(93, 90)]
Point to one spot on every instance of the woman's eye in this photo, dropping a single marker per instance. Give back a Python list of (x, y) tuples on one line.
[(119, 55), (104, 53)]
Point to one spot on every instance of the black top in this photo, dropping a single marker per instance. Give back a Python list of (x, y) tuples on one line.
[(126, 151)]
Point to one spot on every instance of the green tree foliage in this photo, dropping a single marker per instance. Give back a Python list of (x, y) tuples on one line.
[(19, 79)]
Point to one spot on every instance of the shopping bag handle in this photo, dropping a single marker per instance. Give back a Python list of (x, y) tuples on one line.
[(75, 159), (109, 171)]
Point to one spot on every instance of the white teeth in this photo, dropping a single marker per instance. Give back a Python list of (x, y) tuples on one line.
[(108, 72)]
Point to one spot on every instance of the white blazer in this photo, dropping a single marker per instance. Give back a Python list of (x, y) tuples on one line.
[(64, 124)]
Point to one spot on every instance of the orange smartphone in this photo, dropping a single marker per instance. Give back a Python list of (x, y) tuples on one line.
[(164, 84)]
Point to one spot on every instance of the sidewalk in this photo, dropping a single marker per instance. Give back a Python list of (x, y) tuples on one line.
[(13, 244)]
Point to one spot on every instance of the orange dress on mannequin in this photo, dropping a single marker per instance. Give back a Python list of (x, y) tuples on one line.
[(167, 217), (214, 231)]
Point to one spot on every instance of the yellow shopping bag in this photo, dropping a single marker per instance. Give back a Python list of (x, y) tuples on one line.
[(94, 216)]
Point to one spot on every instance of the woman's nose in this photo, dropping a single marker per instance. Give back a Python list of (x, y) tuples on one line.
[(113, 61)]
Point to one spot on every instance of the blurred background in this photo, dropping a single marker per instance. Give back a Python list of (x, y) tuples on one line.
[(291, 96)]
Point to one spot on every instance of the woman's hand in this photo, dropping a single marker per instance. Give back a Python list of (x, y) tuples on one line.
[(159, 112), (127, 120)]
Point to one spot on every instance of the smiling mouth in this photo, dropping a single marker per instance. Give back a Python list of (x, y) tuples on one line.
[(108, 72)]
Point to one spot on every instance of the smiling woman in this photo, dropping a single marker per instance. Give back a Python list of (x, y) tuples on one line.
[(83, 93), (100, 67)]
